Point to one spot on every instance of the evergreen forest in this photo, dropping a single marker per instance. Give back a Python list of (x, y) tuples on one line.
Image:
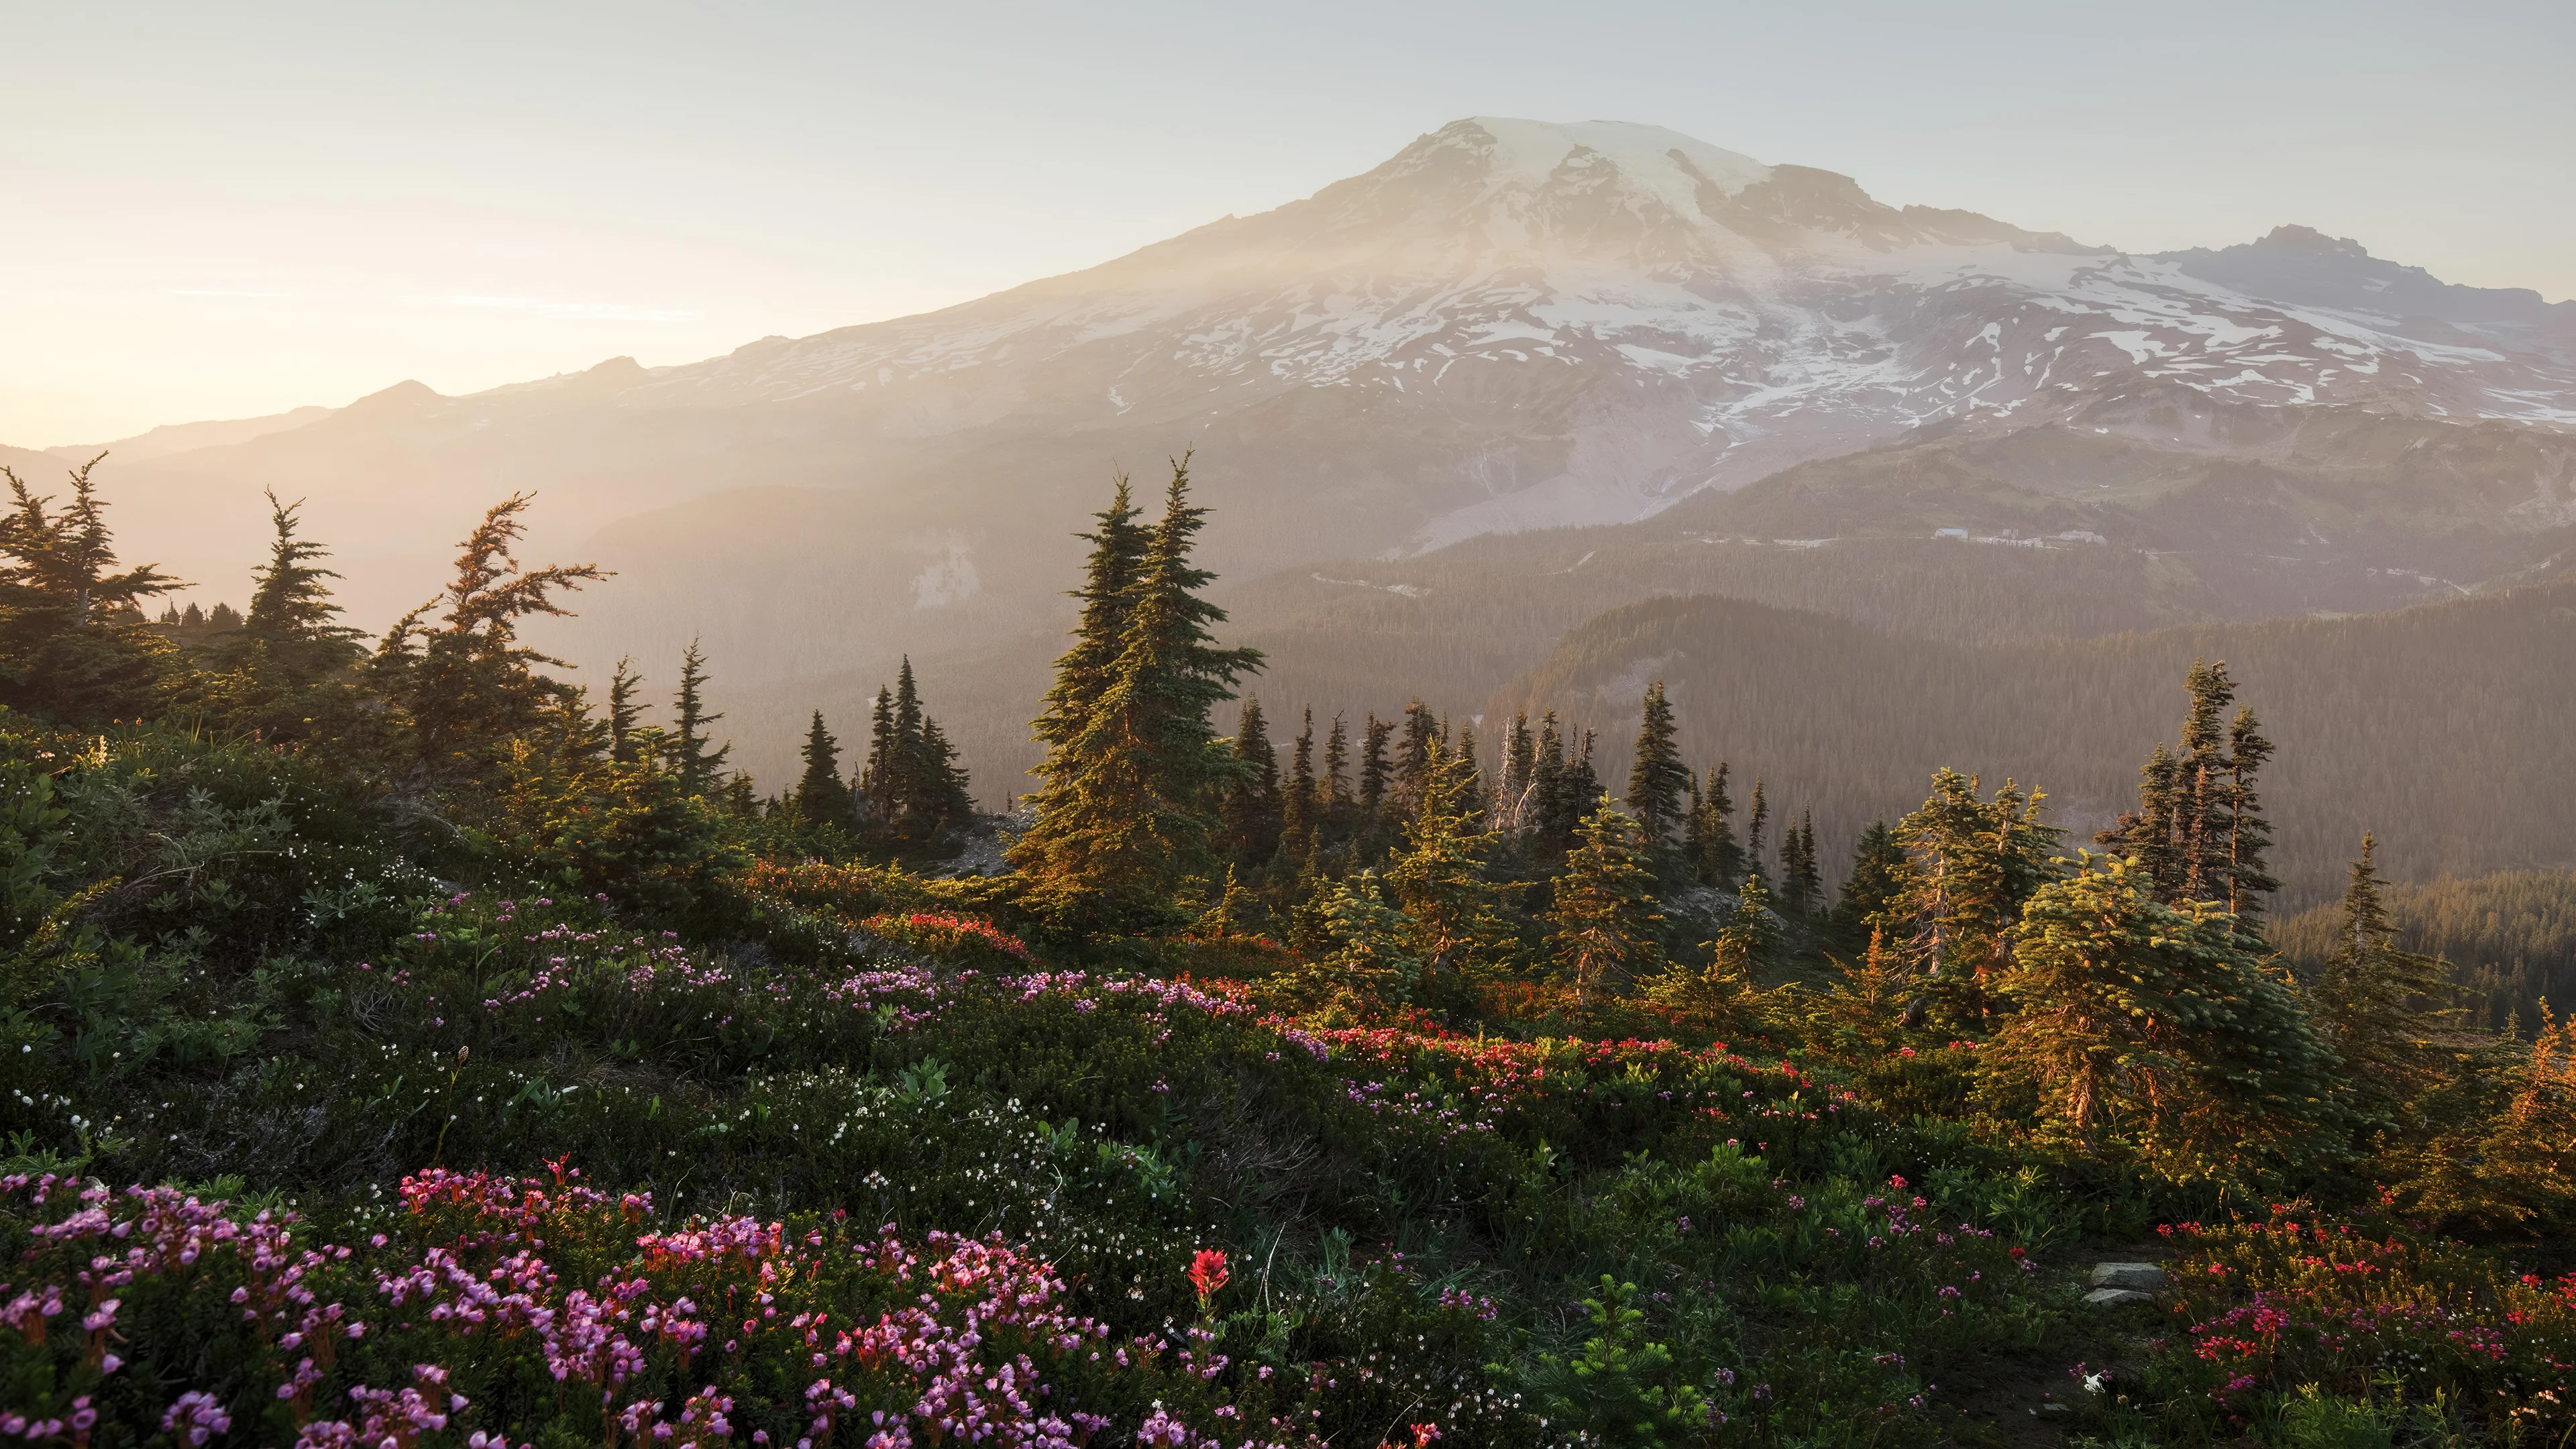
[(405, 1042)]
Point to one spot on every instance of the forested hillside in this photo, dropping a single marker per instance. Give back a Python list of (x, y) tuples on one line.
[(2434, 726), (2510, 936), (403, 1045), (2148, 509)]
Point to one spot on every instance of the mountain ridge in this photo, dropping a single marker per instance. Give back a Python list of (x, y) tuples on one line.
[(1507, 326)]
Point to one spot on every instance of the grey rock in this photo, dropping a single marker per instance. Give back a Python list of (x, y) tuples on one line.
[(2116, 1297), (2145, 1277)]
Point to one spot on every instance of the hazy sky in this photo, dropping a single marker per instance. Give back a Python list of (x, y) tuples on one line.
[(226, 210)]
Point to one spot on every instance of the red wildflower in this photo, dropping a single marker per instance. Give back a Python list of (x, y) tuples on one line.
[(1208, 1274)]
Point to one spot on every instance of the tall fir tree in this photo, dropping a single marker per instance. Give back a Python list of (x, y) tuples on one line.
[(291, 637), (1582, 784), (1377, 781), (1082, 674), (625, 713), (1413, 756), (2199, 832), (1751, 942), (1337, 780), (1549, 791), (1876, 880), (822, 797), (1255, 813), (1440, 877), (2385, 1011), (1973, 864), (881, 773), (941, 800), (1802, 886), (1753, 826), (1301, 802), (696, 761), (2249, 833), (468, 686), (1714, 852), (1657, 778), (1603, 921), (74, 647), (910, 790), (1130, 821)]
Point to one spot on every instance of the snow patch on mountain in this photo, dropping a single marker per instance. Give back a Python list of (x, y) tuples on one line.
[(1680, 316)]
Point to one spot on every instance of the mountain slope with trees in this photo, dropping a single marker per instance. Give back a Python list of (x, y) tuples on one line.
[(2440, 716)]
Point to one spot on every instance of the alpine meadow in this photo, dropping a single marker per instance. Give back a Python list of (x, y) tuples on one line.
[(1686, 808)]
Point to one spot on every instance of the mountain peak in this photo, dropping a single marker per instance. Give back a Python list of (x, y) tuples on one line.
[(2309, 239), (1534, 153)]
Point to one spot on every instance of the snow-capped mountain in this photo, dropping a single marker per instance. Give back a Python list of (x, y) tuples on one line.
[(1677, 316), (1510, 325)]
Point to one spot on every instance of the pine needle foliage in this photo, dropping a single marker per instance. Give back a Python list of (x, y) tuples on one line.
[(74, 645), (467, 685), (2150, 1028), (1605, 921), (1657, 778), (2385, 1011), (1128, 813)]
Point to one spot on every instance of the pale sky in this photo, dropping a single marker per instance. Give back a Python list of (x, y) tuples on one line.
[(227, 210)]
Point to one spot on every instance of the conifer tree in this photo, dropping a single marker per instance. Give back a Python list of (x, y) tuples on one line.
[(73, 644), (1130, 820), (1476, 800), (940, 797), (1301, 802), (625, 712), (1083, 673), (1604, 919), (1877, 879), (1337, 780), (1750, 942), (1548, 790), (881, 773), (2249, 834), (821, 797), (1973, 864), (2380, 1008), (2150, 833), (290, 638), (1657, 779), (1254, 810), (1760, 817), (1377, 778), (1718, 859), (1802, 886), (2151, 1026), (1580, 785), (905, 762), (1413, 756), (910, 788), (695, 762), (2198, 831), (468, 685), (1440, 877)]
